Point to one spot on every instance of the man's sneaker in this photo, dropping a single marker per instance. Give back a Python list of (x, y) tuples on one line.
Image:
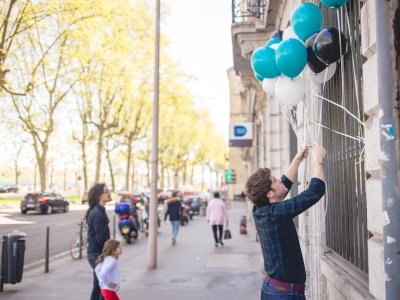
[(220, 241), (216, 245), (173, 241)]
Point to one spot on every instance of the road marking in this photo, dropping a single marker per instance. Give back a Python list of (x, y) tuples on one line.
[(5, 219)]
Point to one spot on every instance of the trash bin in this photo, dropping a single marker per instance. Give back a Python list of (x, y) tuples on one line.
[(13, 256)]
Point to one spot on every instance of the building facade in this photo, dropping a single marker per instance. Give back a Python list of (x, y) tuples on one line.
[(351, 238)]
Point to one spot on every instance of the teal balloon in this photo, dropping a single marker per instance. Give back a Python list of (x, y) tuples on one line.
[(263, 63), (334, 3), (306, 20), (291, 57), (272, 41), (258, 77)]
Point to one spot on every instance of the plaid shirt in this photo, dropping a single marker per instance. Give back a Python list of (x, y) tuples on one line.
[(280, 246)]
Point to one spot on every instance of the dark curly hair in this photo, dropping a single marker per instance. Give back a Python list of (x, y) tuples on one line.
[(258, 185)]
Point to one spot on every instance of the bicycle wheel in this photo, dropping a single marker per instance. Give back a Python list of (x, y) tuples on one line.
[(74, 246)]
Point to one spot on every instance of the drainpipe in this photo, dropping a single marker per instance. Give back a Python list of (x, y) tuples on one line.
[(387, 90)]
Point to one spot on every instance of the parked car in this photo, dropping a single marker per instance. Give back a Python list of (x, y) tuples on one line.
[(9, 188), (44, 203), (194, 203)]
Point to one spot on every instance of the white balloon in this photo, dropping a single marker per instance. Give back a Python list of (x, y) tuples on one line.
[(290, 91), (275, 46), (268, 85), (322, 76), (289, 34)]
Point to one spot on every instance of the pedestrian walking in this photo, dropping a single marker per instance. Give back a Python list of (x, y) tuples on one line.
[(174, 211), (107, 270), (283, 260), (216, 216), (98, 231)]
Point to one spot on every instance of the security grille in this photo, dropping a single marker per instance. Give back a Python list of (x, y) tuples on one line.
[(346, 218), (247, 10)]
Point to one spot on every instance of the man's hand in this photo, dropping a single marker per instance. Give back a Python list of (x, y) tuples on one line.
[(302, 153), (291, 172), (318, 154)]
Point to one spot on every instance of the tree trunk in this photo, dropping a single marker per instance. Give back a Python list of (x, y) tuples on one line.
[(84, 167), (133, 175), (65, 178), (192, 175), (202, 177), (99, 152), (111, 170), (42, 172), (17, 172), (148, 173), (128, 165), (184, 173), (162, 174)]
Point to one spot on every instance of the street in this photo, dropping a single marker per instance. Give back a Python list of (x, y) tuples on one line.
[(62, 227), (193, 268)]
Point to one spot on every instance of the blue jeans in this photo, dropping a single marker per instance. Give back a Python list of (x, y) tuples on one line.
[(175, 228), (95, 295), (274, 292)]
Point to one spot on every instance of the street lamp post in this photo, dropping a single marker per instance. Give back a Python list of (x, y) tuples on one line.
[(152, 243)]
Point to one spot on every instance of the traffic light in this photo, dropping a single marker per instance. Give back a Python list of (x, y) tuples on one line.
[(228, 176), (233, 176)]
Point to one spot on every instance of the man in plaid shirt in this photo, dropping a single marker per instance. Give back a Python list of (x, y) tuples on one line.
[(283, 261)]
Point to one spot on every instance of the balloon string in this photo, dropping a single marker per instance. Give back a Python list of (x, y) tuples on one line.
[(340, 49), (353, 64), (359, 139), (342, 107)]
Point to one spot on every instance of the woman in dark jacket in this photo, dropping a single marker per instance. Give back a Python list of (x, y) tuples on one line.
[(98, 231), (174, 210)]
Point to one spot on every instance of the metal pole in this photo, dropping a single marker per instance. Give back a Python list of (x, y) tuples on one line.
[(114, 226), (46, 264), (80, 239), (389, 140), (152, 243), (3, 244)]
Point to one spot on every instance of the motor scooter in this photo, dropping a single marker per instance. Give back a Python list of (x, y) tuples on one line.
[(146, 219), (185, 214), (127, 224)]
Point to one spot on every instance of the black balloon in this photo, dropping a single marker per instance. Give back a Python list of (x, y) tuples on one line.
[(313, 62), (277, 34), (327, 45)]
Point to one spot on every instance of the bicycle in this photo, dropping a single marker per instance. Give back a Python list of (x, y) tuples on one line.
[(78, 242)]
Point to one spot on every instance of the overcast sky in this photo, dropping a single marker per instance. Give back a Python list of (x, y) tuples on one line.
[(200, 37)]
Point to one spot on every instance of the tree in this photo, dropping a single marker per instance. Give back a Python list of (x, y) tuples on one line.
[(44, 70)]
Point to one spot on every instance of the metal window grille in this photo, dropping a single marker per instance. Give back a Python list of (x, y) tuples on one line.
[(346, 218), (247, 10)]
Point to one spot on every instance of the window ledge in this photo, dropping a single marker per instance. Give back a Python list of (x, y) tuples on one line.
[(350, 283)]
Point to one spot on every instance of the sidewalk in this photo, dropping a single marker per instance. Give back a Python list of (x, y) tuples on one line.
[(193, 269)]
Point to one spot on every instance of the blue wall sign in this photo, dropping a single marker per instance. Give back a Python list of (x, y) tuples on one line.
[(240, 130)]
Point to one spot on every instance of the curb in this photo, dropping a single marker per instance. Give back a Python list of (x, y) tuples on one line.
[(40, 263)]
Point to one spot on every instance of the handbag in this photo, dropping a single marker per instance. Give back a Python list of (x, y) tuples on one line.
[(227, 234)]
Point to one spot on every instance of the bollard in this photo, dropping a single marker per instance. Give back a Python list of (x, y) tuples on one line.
[(46, 265), (3, 244)]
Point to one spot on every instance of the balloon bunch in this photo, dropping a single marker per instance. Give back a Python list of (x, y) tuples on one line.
[(281, 61)]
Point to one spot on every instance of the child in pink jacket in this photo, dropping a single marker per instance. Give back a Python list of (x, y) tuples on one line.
[(216, 216)]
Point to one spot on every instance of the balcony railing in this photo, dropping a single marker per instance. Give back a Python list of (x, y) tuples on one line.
[(247, 10)]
